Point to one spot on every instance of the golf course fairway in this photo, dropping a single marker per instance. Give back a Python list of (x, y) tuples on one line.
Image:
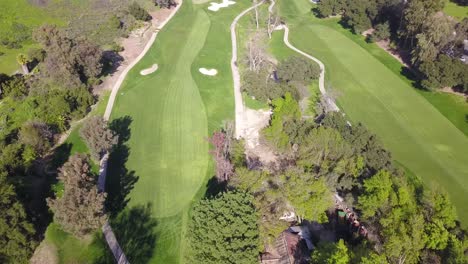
[(172, 112), (417, 134)]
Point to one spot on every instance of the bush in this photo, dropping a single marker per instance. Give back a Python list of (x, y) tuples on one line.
[(299, 70), (138, 12), (165, 3), (382, 32)]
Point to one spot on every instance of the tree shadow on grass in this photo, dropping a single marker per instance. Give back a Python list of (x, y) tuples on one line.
[(120, 180), (135, 229)]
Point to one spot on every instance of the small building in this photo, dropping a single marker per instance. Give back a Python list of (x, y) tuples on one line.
[(289, 248)]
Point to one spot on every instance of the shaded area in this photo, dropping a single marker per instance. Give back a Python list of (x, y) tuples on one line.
[(135, 231), (120, 181)]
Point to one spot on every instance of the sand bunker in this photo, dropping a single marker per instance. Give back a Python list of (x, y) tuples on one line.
[(210, 72), (216, 6), (149, 70)]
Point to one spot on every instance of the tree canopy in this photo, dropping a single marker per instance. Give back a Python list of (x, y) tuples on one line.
[(223, 229)]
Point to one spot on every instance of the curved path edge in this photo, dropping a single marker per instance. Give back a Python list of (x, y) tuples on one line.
[(330, 103), (109, 235), (118, 83), (235, 72)]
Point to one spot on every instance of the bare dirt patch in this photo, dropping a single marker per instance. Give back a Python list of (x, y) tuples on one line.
[(133, 46), (45, 253)]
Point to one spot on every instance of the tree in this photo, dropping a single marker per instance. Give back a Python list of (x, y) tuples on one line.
[(382, 32), (69, 62), (23, 61), (15, 87), (36, 135), (328, 8), (98, 137), (165, 3), (224, 167), (356, 15), (223, 229), (256, 55), (283, 109), (309, 197), (138, 12), (299, 70), (376, 194), (443, 72), (16, 233), (80, 210), (331, 253)]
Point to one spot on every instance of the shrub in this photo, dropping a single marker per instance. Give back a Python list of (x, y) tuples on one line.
[(299, 70), (138, 12)]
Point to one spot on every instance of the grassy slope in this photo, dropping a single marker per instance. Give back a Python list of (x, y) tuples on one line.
[(420, 137), (457, 11), (173, 111)]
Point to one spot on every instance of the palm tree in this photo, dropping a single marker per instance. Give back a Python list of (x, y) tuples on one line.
[(23, 61)]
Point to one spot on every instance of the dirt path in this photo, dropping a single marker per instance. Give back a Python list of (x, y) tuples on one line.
[(241, 116), (121, 78), (331, 105)]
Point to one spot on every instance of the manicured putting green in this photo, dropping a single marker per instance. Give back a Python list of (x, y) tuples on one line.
[(417, 134), (173, 111)]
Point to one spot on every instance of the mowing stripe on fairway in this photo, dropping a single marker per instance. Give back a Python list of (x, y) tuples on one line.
[(421, 138)]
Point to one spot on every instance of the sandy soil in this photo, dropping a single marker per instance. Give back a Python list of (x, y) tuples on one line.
[(150, 70), (45, 253), (215, 7), (451, 91), (209, 72)]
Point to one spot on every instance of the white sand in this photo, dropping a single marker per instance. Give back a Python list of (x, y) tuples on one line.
[(216, 6), (149, 70), (210, 72)]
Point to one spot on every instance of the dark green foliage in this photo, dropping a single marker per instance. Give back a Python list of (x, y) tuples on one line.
[(356, 15), (382, 32), (283, 109), (37, 135), (138, 12), (298, 70), (15, 87), (264, 88), (331, 253), (328, 8), (223, 229), (165, 3), (362, 140), (16, 233), (80, 210), (444, 72)]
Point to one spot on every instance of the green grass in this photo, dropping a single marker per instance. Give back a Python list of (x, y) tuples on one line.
[(455, 10), (73, 250), (173, 111), (417, 134), (253, 103), (21, 11), (453, 107)]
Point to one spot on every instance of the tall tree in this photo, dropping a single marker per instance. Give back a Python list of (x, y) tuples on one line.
[(36, 135), (80, 210), (69, 62), (223, 229), (331, 253), (16, 233), (98, 137)]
